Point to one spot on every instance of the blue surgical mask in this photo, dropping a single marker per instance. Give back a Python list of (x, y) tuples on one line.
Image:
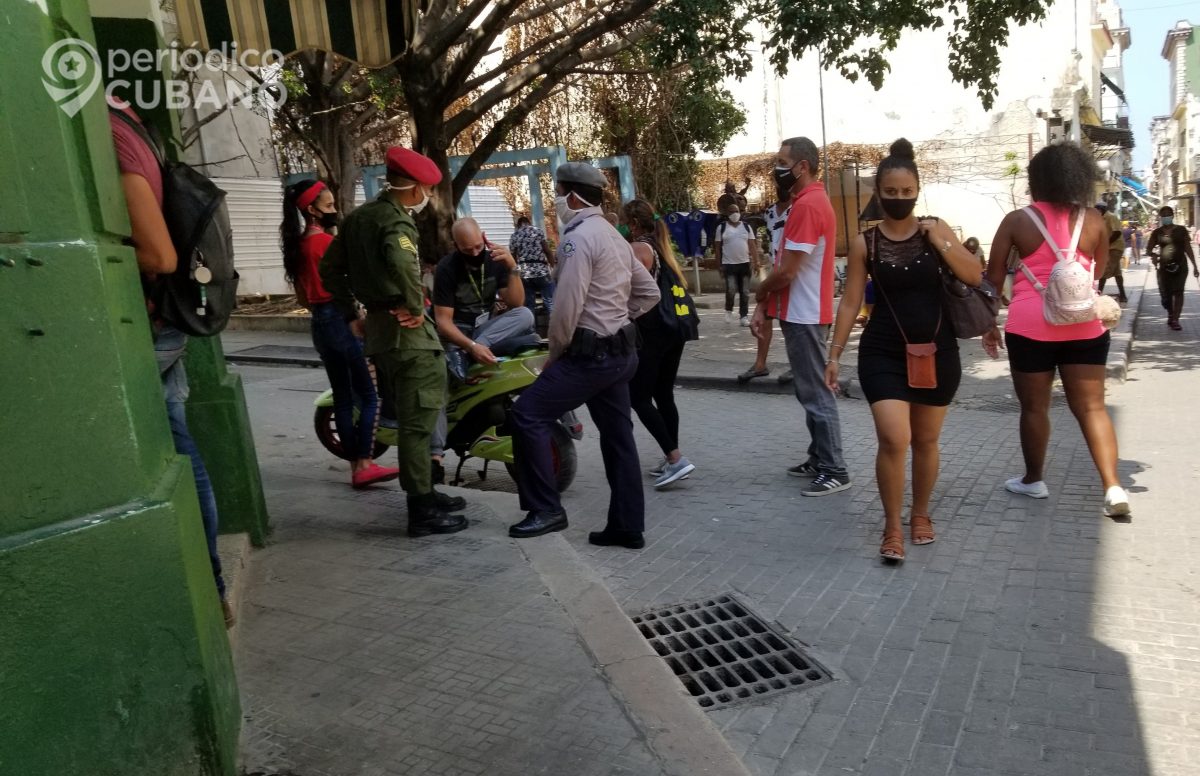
[(1167, 220)]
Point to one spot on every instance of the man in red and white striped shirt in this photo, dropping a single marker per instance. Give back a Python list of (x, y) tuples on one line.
[(799, 292)]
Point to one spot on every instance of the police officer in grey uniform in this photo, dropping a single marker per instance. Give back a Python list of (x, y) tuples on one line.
[(601, 288)]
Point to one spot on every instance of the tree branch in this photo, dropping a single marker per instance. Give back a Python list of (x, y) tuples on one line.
[(537, 13), (569, 55), (447, 34), (478, 42), (379, 129), (499, 132)]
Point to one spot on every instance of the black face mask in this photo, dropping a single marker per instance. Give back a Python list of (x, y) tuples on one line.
[(328, 220), (898, 209), (785, 179), (477, 261)]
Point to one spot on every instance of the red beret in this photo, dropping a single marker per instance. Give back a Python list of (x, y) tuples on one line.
[(412, 165)]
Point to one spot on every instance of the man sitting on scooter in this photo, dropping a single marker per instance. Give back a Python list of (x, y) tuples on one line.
[(478, 301)]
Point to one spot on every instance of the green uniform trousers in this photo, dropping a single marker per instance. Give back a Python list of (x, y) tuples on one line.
[(416, 380)]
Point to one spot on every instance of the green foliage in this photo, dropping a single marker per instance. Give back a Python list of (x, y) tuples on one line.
[(662, 118), (854, 36)]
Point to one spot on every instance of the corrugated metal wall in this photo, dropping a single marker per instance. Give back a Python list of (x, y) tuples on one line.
[(490, 209), (255, 210)]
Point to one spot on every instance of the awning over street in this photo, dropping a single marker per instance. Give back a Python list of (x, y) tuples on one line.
[(1134, 186), (370, 32)]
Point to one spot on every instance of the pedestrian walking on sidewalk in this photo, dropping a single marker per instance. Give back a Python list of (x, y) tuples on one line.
[(602, 287), (1061, 178), (652, 389), (905, 258), (776, 220), (737, 253), (374, 260), (309, 218), (536, 261), (799, 293), (1116, 251), (1168, 246)]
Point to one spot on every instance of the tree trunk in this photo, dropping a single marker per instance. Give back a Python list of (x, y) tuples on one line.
[(434, 223)]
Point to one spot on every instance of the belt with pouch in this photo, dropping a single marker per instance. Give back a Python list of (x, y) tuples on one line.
[(588, 344)]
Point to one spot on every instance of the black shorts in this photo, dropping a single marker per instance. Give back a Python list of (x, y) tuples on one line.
[(1030, 355)]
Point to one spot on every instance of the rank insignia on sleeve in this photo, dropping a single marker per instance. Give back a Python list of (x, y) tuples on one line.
[(407, 244), (568, 248)]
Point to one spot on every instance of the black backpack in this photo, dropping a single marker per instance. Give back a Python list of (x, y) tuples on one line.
[(676, 309), (199, 296)]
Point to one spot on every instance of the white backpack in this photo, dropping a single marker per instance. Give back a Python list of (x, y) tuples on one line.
[(1068, 296)]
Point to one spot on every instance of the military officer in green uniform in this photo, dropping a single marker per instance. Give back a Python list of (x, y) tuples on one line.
[(374, 260)]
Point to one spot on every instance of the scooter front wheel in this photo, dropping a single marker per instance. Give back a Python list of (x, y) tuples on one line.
[(563, 455), (326, 428)]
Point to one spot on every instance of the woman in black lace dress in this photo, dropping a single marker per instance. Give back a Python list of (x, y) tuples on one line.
[(905, 258)]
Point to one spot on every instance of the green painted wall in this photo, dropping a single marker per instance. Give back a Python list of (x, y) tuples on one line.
[(113, 654)]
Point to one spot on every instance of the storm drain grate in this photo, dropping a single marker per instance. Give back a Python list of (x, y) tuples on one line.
[(725, 654)]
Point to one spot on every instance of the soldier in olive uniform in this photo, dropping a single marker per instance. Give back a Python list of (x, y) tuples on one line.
[(374, 260)]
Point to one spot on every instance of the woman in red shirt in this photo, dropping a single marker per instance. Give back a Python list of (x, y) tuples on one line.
[(309, 214)]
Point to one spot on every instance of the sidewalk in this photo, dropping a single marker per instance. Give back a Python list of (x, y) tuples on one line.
[(724, 350), (362, 652), (1033, 638)]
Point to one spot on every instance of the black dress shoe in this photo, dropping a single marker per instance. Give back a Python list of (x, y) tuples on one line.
[(425, 517), (448, 503), (632, 540), (538, 523)]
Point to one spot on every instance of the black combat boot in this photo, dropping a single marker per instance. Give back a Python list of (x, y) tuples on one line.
[(448, 503), (425, 517)]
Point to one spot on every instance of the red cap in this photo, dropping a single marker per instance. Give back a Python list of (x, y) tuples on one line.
[(412, 165)]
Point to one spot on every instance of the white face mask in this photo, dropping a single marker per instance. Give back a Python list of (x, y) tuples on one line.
[(566, 214), (735, 218), (417, 208)]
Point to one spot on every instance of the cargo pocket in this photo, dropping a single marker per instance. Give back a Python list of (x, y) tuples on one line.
[(429, 398)]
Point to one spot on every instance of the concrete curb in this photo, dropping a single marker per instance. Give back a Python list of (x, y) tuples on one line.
[(301, 324), (1122, 336), (677, 731)]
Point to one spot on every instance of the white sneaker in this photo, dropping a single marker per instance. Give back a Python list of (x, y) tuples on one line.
[(1033, 489), (729, 316), (1116, 502), (658, 468), (675, 471), (745, 320)]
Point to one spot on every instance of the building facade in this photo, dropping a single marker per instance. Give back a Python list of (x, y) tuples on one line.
[(1175, 170)]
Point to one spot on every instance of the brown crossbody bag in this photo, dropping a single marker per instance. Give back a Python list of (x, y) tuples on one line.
[(920, 358)]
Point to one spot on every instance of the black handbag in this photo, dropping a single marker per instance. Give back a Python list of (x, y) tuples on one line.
[(972, 310)]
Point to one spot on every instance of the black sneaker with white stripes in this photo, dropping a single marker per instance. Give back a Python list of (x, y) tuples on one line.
[(806, 469), (824, 484)]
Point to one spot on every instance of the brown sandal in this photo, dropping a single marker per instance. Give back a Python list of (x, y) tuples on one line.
[(922, 529), (893, 546)]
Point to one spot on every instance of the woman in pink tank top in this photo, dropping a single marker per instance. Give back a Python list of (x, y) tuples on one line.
[(1062, 178)]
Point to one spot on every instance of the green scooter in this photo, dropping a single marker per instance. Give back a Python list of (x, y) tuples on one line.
[(478, 412)]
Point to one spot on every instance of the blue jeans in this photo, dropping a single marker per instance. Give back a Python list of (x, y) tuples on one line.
[(169, 345), (543, 284), (805, 343), (351, 380), (603, 384)]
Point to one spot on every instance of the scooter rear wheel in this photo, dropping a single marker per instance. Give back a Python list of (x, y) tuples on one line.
[(326, 428), (564, 456)]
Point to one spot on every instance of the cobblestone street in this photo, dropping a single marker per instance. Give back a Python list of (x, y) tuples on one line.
[(1034, 637)]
